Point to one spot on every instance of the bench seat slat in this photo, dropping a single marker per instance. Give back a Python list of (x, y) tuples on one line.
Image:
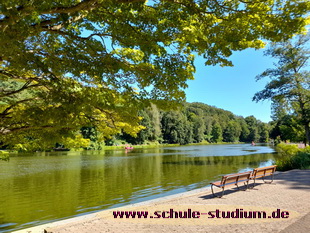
[(232, 179), (262, 175), (262, 172), (217, 183)]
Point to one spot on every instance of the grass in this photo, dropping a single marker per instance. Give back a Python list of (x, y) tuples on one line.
[(291, 157), (139, 146), (156, 145)]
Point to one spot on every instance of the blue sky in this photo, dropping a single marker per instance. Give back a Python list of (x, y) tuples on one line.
[(232, 88)]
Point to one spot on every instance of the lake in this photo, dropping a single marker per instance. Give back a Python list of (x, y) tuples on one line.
[(42, 187)]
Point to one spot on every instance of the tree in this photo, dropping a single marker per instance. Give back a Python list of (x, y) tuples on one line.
[(151, 123), (195, 116), (245, 132), (65, 64), (232, 132), (253, 129), (56, 112), (217, 133), (176, 128), (154, 113), (263, 131), (288, 128), (290, 82)]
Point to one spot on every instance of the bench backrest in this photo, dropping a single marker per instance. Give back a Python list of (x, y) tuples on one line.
[(235, 178), (264, 171)]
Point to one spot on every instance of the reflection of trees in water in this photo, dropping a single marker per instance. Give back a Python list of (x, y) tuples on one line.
[(237, 160), (92, 180)]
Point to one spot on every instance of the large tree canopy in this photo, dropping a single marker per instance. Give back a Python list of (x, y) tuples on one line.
[(289, 88), (71, 63)]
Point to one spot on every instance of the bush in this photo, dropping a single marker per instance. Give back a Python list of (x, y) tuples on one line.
[(4, 155), (293, 158), (287, 149)]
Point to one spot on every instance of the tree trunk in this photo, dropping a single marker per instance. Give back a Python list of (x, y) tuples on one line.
[(307, 129)]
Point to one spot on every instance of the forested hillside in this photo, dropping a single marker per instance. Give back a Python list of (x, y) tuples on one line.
[(190, 123), (197, 122)]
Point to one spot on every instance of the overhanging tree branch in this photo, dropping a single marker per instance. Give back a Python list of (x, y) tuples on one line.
[(6, 111)]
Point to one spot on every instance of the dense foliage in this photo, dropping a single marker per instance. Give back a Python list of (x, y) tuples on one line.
[(192, 123), (291, 157), (289, 89), (67, 64), (197, 122)]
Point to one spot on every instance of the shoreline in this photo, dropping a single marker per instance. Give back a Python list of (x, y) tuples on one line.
[(122, 147), (40, 228), (288, 192)]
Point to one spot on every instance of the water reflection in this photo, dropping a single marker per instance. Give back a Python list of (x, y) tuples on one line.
[(44, 187)]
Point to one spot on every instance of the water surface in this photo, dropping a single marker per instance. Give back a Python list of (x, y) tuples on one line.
[(43, 187)]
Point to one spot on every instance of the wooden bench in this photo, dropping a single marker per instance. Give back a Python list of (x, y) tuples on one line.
[(232, 179), (262, 172)]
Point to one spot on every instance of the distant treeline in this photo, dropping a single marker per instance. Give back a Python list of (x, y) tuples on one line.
[(194, 123), (191, 123)]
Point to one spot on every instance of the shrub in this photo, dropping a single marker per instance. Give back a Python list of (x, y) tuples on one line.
[(287, 149), (301, 160), (4, 155), (293, 158)]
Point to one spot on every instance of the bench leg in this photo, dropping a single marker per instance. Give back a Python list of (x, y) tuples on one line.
[(214, 193), (268, 182), (246, 184), (253, 184)]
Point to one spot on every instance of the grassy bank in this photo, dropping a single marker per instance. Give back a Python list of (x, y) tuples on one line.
[(292, 157), (155, 145), (149, 146), (146, 146)]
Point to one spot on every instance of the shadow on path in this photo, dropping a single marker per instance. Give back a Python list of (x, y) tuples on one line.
[(297, 179), (293, 179)]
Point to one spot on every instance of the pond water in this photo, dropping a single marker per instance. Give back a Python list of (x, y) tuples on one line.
[(43, 187)]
